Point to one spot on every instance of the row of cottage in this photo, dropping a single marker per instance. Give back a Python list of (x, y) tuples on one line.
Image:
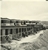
[(15, 29)]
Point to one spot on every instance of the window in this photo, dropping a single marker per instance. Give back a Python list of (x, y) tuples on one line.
[(19, 29), (1, 31), (11, 31), (6, 32)]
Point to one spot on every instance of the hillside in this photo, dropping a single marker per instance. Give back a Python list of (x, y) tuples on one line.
[(40, 43), (44, 22)]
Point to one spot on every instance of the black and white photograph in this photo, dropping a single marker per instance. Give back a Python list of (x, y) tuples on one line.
[(24, 25)]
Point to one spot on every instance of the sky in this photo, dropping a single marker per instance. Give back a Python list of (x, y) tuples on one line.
[(23, 0), (32, 10)]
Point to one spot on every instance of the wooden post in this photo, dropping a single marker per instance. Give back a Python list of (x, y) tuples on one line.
[(21, 32), (18, 32), (3, 39), (26, 32), (8, 31), (13, 34), (3, 31)]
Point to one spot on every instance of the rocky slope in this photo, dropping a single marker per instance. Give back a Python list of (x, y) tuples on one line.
[(41, 43)]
